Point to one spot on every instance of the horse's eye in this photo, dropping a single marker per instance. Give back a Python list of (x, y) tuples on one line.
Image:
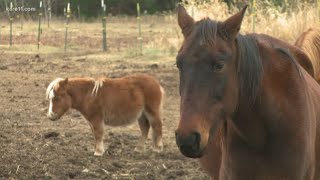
[(56, 98), (178, 63), (217, 67)]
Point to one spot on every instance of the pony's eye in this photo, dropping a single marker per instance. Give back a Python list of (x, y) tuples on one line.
[(217, 67), (56, 98)]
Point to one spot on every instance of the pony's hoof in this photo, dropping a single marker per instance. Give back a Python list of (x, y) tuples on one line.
[(157, 149), (98, 153), (139, 149)]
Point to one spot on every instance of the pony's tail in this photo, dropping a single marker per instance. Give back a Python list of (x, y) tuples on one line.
[(163, 97)]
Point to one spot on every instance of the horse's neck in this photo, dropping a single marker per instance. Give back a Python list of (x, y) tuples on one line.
[(247, 125), (80, 91), (280, 74)]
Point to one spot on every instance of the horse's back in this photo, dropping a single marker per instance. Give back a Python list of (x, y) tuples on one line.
[(152, 91), (309, 43), (129, 97), (301, 57)]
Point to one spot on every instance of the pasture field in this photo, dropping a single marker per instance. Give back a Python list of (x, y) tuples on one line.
[(33, 147)]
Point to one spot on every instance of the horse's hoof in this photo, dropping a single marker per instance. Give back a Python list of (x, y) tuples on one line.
[(157, 149), (98, 153), (139, 149)]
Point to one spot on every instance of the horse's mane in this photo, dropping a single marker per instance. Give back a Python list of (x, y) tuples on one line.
[(289, 55), (98, 83), (249, 66), (206, 31), (52, 85), (309, 42)]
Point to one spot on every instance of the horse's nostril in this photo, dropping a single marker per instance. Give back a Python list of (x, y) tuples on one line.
[(189, 145), (197, 138), (192, 140)]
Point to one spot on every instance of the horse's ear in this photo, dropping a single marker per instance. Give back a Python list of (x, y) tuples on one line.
[(233, 24), (185, 21), (64, 82)]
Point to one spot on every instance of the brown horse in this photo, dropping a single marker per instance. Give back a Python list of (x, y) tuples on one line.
[(113, 102), (248, 110), (309, 42)]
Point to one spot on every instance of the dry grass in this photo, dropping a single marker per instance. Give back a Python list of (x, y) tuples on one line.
[(161, 35), (270, 20)]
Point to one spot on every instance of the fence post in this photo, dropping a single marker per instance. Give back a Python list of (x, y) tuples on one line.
[(139, 28), (39, 27), (49, 12), (104, 30), (254, 15), (21, 15), (79, 13), (11, 19), (67, 26)]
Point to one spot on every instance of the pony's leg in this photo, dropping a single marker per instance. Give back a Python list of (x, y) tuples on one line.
[(97, 125), (156, 125), (144, 127)]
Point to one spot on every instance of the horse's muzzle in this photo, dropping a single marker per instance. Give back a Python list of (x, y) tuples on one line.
[(190, 145), (52, 116)]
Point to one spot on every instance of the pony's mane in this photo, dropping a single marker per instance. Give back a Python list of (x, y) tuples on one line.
[(98, 83), (249, 66), (309, 42), (52, 85)]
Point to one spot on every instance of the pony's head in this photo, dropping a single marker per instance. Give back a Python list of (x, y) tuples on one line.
[(209, 87), (59, 99)]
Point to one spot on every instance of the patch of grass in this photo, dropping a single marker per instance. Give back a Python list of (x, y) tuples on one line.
[(30, 49)]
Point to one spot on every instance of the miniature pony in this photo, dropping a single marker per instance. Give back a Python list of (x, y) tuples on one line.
[(113, 102)]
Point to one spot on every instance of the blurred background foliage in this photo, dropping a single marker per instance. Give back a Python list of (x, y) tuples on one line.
[(92, 8)]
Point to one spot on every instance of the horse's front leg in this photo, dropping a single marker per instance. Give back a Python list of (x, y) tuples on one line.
[(97, 126)]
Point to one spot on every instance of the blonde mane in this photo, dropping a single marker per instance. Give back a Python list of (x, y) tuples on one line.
[(52, 85), (98, 83)]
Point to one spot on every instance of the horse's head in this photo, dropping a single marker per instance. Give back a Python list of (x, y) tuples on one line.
[(207, 63), (59, 99)]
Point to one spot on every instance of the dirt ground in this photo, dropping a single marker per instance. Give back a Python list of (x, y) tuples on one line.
[(33, 147)]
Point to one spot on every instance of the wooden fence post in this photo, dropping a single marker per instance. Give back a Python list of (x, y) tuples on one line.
[(254, 15), (11, 19), (67, 26), (39, 27), (104, 30), (139, 29)]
